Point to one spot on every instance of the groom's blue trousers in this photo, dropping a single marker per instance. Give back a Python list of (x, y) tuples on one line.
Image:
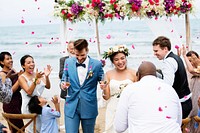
[(72, 124)]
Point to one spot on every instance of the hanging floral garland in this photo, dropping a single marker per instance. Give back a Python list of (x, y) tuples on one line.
[(109, 9)]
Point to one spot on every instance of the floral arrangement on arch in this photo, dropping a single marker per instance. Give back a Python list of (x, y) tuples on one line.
[(72, 11), (115, 49), (109, 9)]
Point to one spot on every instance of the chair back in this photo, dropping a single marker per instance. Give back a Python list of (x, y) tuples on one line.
[(32, 118), (184, 124)]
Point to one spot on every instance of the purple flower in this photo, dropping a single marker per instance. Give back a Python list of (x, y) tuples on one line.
[(168, 5), (76, 9), (135, 2)]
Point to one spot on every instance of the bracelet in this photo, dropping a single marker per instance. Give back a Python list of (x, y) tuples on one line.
[(35, 80)]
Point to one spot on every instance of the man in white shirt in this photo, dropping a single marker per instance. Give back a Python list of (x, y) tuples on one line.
[(174, 72), (149, 105)]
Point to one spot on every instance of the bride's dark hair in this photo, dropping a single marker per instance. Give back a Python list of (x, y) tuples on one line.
[(113, 55)]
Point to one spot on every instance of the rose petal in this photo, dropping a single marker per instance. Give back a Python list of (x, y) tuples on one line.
[(70, 29), (32, 32), (160, 109), (176, 46), (133, 46), (159, 88), (66, 69), (180, 36), (168, 117), (22, 21), (172, 30), (26, 42), (108, 36)]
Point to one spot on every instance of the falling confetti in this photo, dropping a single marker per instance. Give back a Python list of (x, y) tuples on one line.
[(176, 47), (66, 42), (108, 36), (22, 21), (168, 117), (133, 46), (160, 109)]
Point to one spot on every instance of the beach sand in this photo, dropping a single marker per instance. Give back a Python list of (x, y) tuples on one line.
[(99, 127)]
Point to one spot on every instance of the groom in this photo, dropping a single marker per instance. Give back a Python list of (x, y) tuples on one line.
[(83, 73)]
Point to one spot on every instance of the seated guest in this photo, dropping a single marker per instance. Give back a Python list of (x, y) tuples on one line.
[(5, 96), (48, 115), (149, 105)]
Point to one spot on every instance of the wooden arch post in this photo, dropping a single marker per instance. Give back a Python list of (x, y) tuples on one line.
[(187, 27)]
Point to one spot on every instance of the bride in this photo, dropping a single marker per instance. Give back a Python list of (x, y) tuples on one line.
[(115, 81)]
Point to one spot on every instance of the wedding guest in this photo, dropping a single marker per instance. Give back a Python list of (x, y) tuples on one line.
[(174, 72), (32, 83), (5, 96), (14, 106), (117, 78), (48, 115), (192, 62), (70, 50), (83, 74), (149, 105)]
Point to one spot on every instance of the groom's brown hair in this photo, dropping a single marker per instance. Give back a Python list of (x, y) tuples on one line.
[(80, 44)]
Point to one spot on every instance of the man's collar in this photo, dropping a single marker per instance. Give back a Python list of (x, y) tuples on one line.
[(167, 54)]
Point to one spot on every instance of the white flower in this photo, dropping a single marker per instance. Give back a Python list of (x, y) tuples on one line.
[(115, 49)]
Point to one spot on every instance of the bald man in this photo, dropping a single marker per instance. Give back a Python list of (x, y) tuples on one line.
[(149, 105)]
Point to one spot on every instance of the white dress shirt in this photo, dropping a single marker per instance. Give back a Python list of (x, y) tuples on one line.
[(148, 106), (169, 68), (82, 72)]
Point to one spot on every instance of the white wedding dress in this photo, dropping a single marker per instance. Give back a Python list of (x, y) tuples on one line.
[(116, 88)]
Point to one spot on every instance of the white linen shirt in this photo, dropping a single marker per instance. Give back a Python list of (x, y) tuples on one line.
[(169, 68), (148, 106), (82, 72)]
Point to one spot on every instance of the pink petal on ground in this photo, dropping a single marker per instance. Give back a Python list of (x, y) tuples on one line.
[(38, 8), (127, 34), (50, 42), (63, 51), (35, 0), (26, 42), (49, 21), (70, 29), (176, 47), (160, 109), (40, 44), (23, 10), (32, 32), (90, 40), (180, 36), (168, 117), (108, 36), (22, 21), (165, 106), (170, 20), (156, 18), (172, 30), (133, 46), (94, 41), (66, 42)]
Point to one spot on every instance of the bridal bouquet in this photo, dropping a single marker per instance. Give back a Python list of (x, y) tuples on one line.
[(121, 88)]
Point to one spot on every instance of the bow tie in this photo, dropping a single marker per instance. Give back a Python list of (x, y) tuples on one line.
[(78, 64)]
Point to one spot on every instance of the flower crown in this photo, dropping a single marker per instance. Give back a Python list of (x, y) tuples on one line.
[(116, 49)]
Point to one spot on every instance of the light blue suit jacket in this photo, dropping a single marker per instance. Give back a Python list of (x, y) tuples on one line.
[(85, 94)]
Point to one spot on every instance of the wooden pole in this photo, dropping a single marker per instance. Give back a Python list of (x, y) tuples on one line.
[(97, 39), (187, 26), (63, 29)]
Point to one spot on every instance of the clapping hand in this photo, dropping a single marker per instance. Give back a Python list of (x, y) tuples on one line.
[(39, 74), (47, 70)]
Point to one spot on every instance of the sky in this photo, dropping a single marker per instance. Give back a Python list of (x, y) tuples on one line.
[(36, 12)]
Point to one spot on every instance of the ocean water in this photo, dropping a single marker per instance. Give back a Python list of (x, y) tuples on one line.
[(44, 44)]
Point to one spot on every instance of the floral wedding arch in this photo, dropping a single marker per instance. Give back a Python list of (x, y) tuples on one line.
[(103, 10)]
